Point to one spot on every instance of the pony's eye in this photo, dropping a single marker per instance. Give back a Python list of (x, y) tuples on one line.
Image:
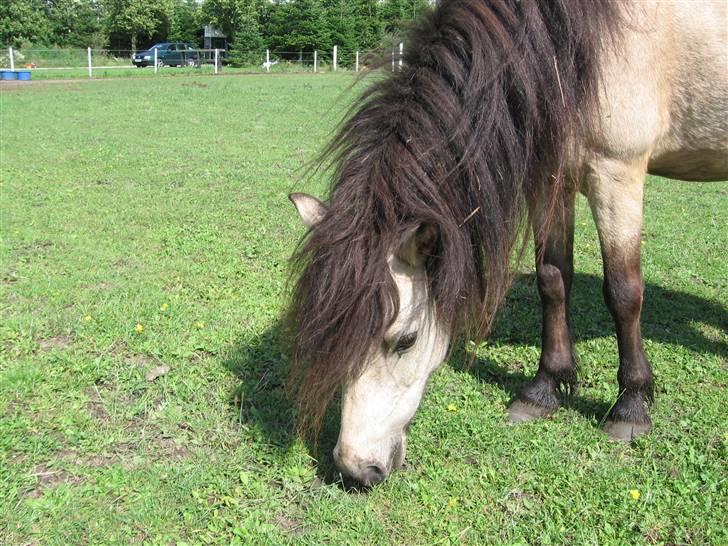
[(405, 343)]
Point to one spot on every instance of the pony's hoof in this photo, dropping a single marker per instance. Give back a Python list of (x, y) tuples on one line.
[(522, 412), (623, 431)]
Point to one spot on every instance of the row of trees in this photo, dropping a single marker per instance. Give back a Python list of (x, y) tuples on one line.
[(282, 25)]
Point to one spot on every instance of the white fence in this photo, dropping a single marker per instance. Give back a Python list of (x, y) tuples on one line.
[(74, 63)]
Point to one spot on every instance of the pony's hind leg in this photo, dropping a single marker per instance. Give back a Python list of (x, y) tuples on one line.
[(615, 197), (554, 272)]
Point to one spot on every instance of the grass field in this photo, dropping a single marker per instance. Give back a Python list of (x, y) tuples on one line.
[(145, 224)]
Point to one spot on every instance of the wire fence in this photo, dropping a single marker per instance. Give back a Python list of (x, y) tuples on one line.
[(58, 63)]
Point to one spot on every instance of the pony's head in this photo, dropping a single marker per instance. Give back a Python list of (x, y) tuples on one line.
[(384, 385)]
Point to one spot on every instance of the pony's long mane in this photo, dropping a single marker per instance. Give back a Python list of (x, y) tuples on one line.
[(476, 123)]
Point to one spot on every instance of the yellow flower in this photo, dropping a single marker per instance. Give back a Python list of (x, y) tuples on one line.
[(452, 408), (87, 318), (635, 494), (200, 325), (164, 307), (139, 328), (452, 503)]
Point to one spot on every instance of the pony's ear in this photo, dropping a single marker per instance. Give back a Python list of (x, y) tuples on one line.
[(417, 244), (309, 208)]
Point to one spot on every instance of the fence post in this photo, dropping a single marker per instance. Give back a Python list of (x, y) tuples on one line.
[(217, 59), (267, 60), (393, 60), (315, 60), (336, 50), (90, 66), (10, 56), (356, 69), (155, 60), (401, 48)]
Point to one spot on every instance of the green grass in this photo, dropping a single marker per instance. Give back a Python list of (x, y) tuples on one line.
[(162, 203)]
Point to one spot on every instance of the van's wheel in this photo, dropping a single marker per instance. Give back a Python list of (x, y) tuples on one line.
[(160, 64)]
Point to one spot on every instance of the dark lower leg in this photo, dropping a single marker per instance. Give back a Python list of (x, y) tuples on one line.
[(623, 295), (556, 370)]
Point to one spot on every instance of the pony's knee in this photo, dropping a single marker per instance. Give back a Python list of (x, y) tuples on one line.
[(623, 295), (550, 283)]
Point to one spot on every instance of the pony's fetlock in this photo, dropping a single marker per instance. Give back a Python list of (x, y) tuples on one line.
[(629, 418)]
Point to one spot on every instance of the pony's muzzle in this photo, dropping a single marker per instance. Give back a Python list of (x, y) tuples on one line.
[(368, 472)]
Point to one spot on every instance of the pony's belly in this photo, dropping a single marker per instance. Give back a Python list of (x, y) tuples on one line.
[(699, 165)]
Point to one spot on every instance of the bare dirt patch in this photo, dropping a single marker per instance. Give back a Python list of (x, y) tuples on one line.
[(140, 360), (12, 298), (9, 277), (106, 402), (202, 354), (118, 347), (288, 524), (49, 478), (17, 406), (17, 459), (170, 448), (101, 460), (157, 372), (59, 342), (96, 408)]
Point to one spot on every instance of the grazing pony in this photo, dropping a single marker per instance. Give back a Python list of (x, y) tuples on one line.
[(503, 110)]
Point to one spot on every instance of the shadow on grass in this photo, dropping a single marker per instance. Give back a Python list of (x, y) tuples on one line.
[(512, 382), (261, 400), (262, 403), (668, 317)]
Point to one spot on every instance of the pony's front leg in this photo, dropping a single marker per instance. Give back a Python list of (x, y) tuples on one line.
[(554, 271), (615, 197)]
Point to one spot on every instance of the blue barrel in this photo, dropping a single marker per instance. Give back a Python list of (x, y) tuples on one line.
[(8, 75), (24, 75)]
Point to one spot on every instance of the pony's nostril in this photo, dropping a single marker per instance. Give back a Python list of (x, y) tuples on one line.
[(372, 475)]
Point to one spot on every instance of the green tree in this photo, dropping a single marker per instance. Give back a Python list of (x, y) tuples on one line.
[(248, 43), (24, 21), (186, 25), (291, 26), (76, 24), (368, 23), (227, 15), (341, 23), (299, 25), (140, 20), (353, 25), (395, 13)]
